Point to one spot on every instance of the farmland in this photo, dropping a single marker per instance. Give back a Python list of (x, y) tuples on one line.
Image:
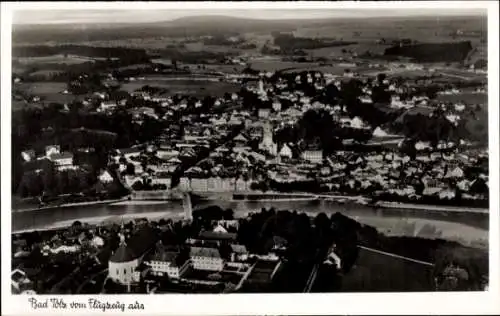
[(47, 91), (56, 59), (183, 86), (470, 98), (375, 272)]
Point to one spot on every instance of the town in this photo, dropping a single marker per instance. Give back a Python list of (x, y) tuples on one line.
[(127, 127)]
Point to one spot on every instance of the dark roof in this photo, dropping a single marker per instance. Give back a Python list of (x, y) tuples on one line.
[(123, 254), (138, 244), (63, 155), (125, 151), (216, 236), (204, 252), (239, 248)]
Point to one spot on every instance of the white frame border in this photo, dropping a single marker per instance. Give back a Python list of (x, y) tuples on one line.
[(241, 304)]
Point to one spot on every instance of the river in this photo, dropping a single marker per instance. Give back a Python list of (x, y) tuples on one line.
[(467, 228)]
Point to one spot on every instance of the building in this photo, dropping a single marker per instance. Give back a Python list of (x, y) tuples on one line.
[(267, 144), (277, 106), (52, 149), (105, 177), (217, 237), (107, 105), (126, 259), (170, 263), (20, 282), (238, 253), (208, 259), (314, 156), (129, 152), (285, 152), (62, 160), (240, 141), (264, 113), (28, 155)]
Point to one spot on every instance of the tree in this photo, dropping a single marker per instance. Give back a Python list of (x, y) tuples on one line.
[(130, 169)]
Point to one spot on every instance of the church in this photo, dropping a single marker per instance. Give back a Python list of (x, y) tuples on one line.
[(267, 144)]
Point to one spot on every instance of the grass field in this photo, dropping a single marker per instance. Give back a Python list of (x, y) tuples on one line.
[(46, 72), (57, 59), (465, 97), (47, 91), (192, 87), (277, 65), (375, 272), (229, 69)]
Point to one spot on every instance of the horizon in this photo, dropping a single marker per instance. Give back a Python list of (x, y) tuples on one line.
[(129, 16)]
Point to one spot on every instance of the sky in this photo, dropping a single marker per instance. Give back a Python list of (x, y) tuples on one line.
[(149, 15)]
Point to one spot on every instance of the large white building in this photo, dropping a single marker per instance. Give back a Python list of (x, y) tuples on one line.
[(208, 259), (126, 259), (123, 264), (165, 262), (314, 156)]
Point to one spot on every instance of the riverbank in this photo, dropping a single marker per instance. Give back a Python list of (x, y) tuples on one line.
[(270, 197), (66, 205)]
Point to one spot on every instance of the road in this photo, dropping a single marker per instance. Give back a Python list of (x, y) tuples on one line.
[(396, 256)]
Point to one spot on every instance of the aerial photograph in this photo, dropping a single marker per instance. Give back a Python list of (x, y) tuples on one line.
[(249, 151)]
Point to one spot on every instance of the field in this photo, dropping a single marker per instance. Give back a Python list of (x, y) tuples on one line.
[(203, 68), (374, 272), (57, 59), (277, 65), (46, 72), (359, 48), (47, 91), (469, 98), (432, 29), (183, 86)]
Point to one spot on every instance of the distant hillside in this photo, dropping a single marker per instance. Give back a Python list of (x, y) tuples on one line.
[(183, 27), (432, 52), (217, 25)]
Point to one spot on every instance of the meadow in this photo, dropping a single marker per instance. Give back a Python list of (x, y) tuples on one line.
[(375, 272), (184, 86), (56, 59)]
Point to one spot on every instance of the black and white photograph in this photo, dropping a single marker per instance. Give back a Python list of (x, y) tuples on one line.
[(248, 150)]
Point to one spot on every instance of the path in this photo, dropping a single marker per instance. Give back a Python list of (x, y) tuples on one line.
[(396, 256)]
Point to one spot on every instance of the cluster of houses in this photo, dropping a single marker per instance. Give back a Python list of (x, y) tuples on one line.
[(144, 257), (62, 160)]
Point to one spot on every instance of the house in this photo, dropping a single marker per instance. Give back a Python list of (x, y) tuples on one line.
[(314, 156), (62, 160), (105, 177), (238, 253), (167, 153), (129, 152), (285, 152), (455, 173), (218, 237), (240, 141), (52, 149), (107, 105), (28, 155), (124, 261), (170, 263), (219, 229), (208, 259), (277, 106), (20, 281), (264, 113)]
